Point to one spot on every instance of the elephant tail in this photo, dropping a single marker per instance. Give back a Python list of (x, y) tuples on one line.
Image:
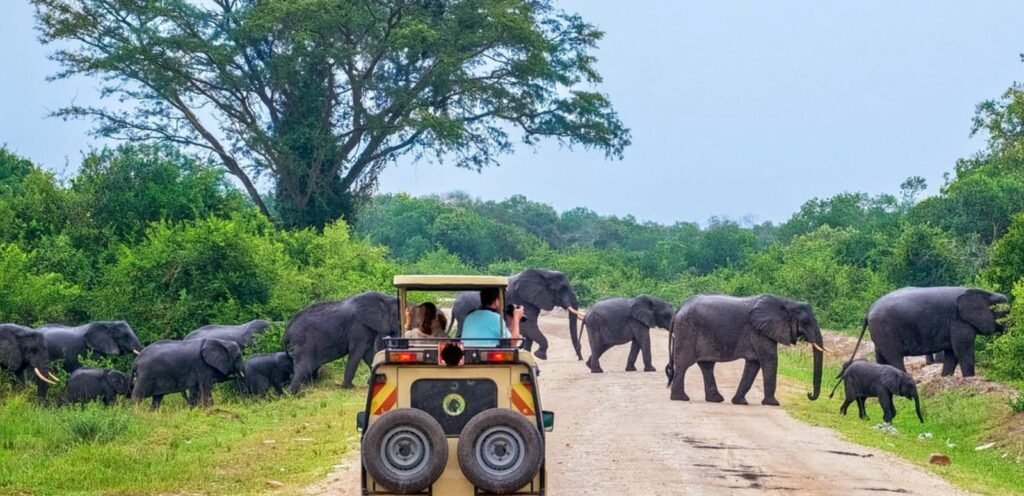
[(840, 377), (670, 368), (863, 329)]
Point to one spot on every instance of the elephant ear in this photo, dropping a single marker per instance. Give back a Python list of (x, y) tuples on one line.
[(10, 350), (117, 380), (379, 313), (642, 310), (534, 287), (890, 379), (215, 354), (771, 318), (99, 337), (973, 308)]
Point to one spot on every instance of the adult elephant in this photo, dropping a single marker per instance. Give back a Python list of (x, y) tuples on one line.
[(324, 332), (23, 349), (717, 328), (242, 334), (616, 321), (101, 338), (192, 366), (535, 290), (918, 321)]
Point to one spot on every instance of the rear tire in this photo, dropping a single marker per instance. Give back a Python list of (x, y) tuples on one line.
[(405, 450), (500, 451)]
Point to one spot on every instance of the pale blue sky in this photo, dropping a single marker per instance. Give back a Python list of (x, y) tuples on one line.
[(737, 107)]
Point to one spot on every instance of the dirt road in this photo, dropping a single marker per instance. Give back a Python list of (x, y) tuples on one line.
[(618, 433)]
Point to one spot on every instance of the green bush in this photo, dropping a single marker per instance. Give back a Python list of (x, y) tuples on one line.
[(97, 424), (1004, 354), (29, 297)]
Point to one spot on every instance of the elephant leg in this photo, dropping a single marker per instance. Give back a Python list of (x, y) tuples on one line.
[(890, 357), (157, 399), (192, 397), (888, 410), (41, 390), (845, 405), (634, 352), (948, 363), (862, 410), (750, 369), (707, 369), (594, 362), (645, 348), (679, 378), (353, 365), (929, 359), (531, 332), (963, 349), (302, 374), (769, 369)]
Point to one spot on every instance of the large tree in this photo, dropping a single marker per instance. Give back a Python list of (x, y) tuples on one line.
[(320, 95)]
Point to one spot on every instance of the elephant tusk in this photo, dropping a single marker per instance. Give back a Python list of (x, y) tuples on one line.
[(820, 348), (577, 312), (137, 352), (43, 378), (52, 376)]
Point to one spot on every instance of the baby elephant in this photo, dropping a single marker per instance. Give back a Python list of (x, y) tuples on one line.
[(86, 385), (262, 372), (872, 380)]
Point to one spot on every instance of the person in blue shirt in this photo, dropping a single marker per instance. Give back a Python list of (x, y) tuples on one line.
[(485, 326)]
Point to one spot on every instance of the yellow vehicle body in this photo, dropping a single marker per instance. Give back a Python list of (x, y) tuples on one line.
[(421, 375)]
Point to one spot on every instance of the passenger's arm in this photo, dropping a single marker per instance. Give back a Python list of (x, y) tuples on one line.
[(513, 327)]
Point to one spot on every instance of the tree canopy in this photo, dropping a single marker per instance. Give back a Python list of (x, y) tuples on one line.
[(321, 95)]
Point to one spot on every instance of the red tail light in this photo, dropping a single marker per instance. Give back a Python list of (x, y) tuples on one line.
[(502, 356), (405, 356)]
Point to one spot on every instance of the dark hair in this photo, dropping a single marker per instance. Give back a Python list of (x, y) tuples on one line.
[(429, 316), (488, 296)]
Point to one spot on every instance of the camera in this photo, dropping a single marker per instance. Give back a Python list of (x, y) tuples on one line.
[(510, 308)]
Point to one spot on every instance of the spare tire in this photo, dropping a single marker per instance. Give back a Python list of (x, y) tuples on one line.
[(405, 450), (500, 451)]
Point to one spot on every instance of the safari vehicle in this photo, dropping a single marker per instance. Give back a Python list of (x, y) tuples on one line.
[(445, 417)]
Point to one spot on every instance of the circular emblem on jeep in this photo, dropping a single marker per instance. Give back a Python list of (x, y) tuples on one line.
[(454, 404)]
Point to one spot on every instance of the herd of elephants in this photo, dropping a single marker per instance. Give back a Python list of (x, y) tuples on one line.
[(704, 329)]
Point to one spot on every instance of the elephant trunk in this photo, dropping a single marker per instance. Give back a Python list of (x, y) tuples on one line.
[(917, 407), (818, 358)]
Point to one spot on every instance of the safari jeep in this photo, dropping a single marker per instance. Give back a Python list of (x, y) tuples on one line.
[(445, 417)]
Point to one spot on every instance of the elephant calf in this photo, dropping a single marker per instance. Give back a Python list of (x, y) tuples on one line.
[(192, 366), (871, 380), (262, 372), (87, 385), (616, 321)]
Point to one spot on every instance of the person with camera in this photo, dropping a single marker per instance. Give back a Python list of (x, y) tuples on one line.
[(485, 326)]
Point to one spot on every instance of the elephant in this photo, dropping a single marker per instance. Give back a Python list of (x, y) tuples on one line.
[(617, 321), (87, 384), (242, 334), (872, 380), (535, 290), (324, 332), (192, 366), (262, 372), (917, 321), (22, 349), (102, 338), (711, 328)]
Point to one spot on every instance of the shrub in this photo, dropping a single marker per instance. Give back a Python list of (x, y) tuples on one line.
[(96, 424), (32, 298)]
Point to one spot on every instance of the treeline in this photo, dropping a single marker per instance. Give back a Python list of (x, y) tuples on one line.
[(162, 240)]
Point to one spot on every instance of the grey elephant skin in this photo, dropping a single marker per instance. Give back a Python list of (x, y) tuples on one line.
[(863, 379), (89, 384), (105, 338), (324, 332), (24, 350), (616, 321), (535, 290), (918, 321), (192, 367), (242, 334), (265, 372), (714, 328)]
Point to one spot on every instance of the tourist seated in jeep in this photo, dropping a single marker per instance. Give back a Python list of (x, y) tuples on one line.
[(485, 326), (425, 321)]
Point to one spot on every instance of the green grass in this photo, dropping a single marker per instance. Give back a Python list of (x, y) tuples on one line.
[(963, 418), (235, 447)]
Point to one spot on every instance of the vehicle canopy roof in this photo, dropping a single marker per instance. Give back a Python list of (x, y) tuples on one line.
[(449, 283)]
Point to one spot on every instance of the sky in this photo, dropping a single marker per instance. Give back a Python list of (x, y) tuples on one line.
[(738, 109)]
